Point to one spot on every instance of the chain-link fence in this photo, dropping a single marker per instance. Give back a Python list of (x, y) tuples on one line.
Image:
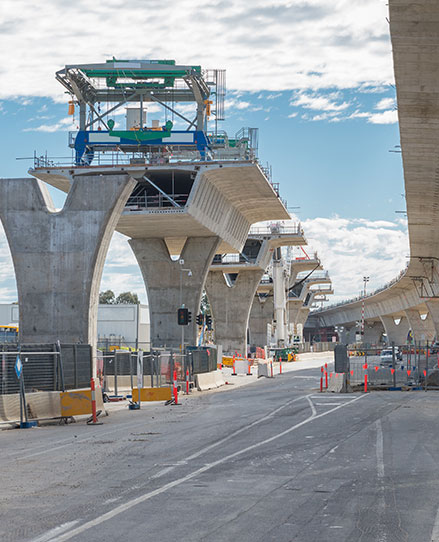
[(120, 367), (408, 366), (46, 367)]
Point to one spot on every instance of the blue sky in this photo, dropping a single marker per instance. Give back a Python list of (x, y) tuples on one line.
[(315, 76)]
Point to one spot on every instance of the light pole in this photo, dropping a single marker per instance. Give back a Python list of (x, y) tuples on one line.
[(365, 281), (189, 274)]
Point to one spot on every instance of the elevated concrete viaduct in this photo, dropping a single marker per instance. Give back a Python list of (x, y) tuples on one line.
[(231, 286), (415, 42), (177, 218), (59, 255)]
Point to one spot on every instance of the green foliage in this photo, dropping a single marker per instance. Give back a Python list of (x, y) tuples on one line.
[(127, 298), (107, 298)]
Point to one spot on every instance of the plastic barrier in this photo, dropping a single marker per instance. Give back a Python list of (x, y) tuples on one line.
[(78, 402), (152, 394)]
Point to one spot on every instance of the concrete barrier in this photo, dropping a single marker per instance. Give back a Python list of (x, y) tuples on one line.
[(209, 381), (219, 379), (337, 383), (241, 366), (40, 405), (263, 370)]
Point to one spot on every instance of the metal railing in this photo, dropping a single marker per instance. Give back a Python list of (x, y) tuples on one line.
[(276, 229), (136, 203)]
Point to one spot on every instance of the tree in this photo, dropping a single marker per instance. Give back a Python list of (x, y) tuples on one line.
[(127, 298), (107, 298)]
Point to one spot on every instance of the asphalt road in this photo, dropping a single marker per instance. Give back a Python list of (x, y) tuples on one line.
[(272, 461)]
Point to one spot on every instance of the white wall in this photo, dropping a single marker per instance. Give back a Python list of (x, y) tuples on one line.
[(119, 320)]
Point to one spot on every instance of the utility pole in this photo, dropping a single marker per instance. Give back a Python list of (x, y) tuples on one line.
[(365, 281)]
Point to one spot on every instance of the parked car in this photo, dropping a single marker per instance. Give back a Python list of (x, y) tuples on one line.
[(387, 356)]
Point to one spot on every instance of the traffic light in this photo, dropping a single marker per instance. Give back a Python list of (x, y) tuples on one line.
[(209, 321), (200, 319), (183, 316)]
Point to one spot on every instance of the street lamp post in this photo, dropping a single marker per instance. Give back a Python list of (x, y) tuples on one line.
[(365, 281)]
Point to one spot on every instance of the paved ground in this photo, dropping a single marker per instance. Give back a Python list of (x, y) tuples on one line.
[(271, 461)]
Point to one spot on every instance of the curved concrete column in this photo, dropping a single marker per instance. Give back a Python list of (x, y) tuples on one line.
[(433, 314), (373, 333), (231, 306), (294, 307), (261, 314), (59, 256), (162, 281), (396, 333), (422, 330)]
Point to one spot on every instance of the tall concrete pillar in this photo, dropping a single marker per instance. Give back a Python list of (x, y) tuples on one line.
[(169, 284), (261, 314), (348, 335), (59, 255), (396, 333), (294, 306), (231, 306), (373, 333), (433, 314), (422, 330)]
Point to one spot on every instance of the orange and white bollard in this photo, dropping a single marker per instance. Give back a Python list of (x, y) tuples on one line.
[(94, 418), (321, 380), (271, 367), (187, 381), (249, 368), (365, 378), (326, 375), (234, 370), (280, 366), (174, 387)]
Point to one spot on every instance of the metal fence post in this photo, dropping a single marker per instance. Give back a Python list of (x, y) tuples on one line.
[(393, 364), (115, 373)]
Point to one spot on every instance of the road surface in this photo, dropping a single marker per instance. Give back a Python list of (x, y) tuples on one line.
[(271, 461)]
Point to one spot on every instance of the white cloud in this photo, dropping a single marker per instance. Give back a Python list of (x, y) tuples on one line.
[(59, 126), (386, 117), (318, 102), (283, 45), (386, 103)]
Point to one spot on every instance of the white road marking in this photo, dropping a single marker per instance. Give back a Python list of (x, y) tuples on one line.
[(311, 404), (138, 500), (225, 439), (328, 404), (380, 449), (56, 531)]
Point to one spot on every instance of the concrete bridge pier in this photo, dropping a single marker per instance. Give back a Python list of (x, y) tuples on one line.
[(59, 255), (169, 284), (261, 314), (396, 333), (422, 330), (433, 314), (231, 305), (373, 333)]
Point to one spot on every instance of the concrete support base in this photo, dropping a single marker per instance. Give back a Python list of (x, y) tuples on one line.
[(261, 314), (396, 333), (59, 256), (231, 306), (169, 284)]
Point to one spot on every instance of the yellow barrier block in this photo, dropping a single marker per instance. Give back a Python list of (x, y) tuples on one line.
[(228, 361), (76, 402), (152, 394)]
